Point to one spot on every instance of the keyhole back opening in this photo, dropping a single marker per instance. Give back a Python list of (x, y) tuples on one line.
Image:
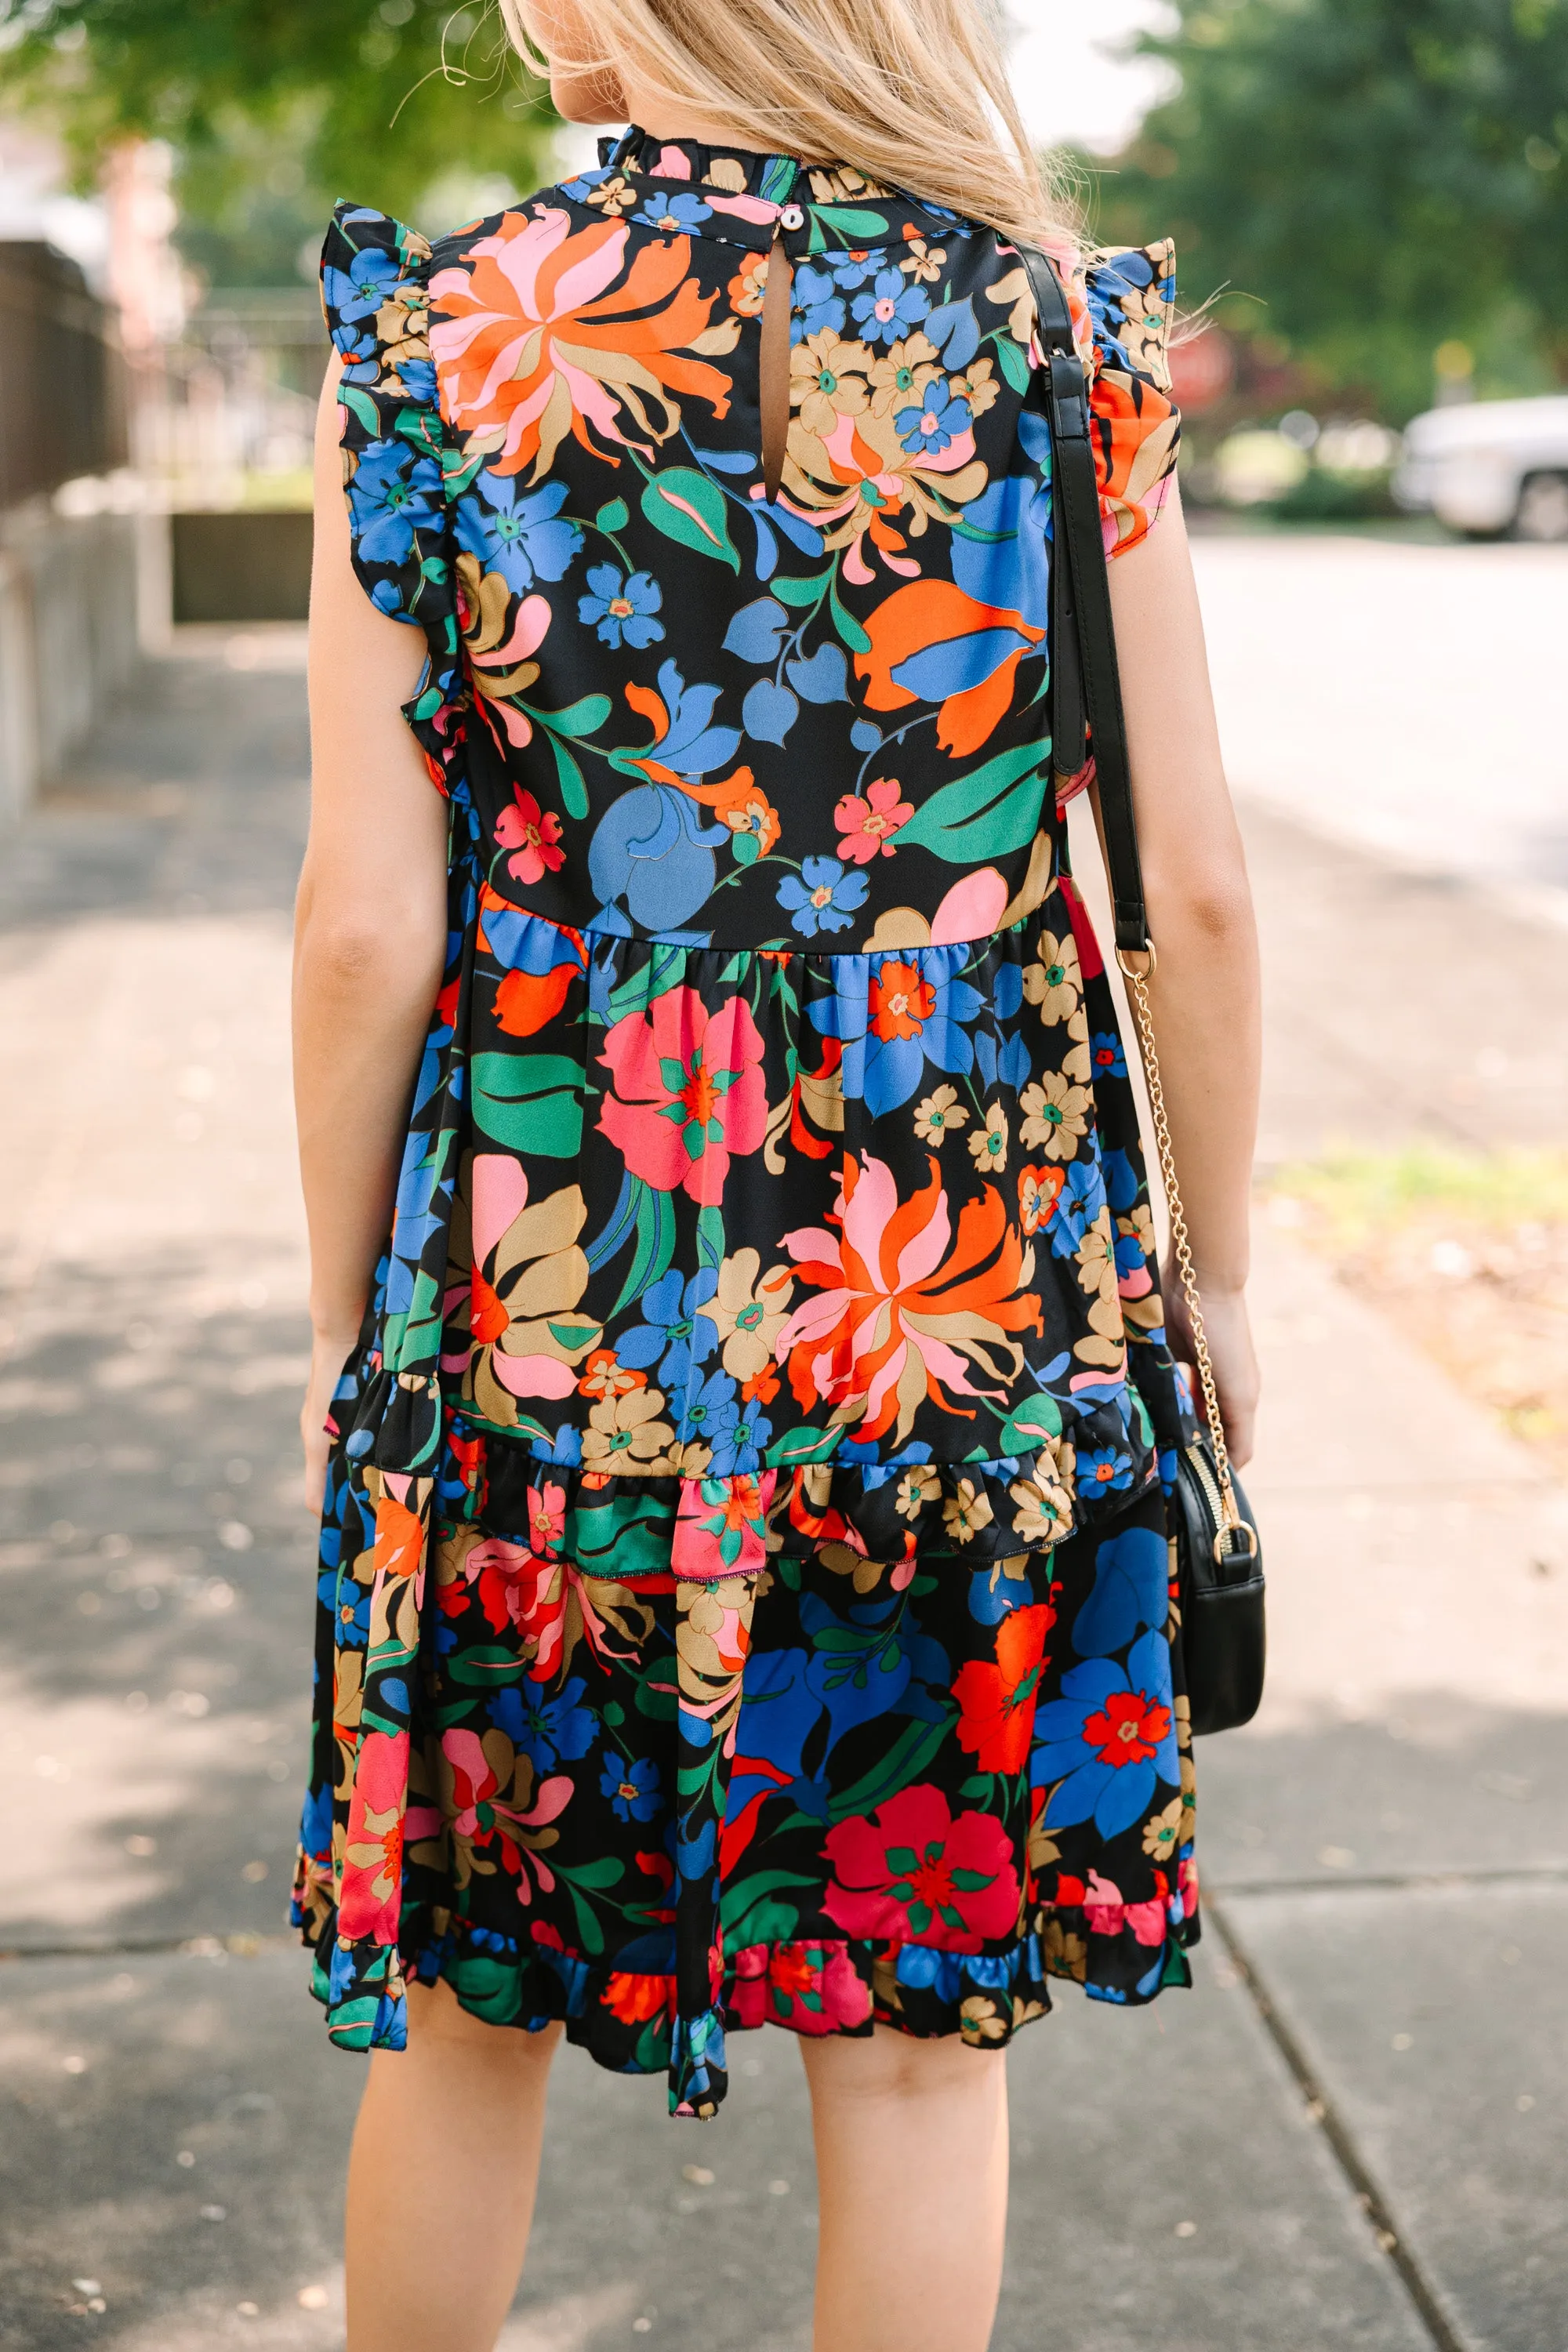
[(773, 394)]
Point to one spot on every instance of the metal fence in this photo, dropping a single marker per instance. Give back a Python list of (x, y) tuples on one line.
[(62, 382)]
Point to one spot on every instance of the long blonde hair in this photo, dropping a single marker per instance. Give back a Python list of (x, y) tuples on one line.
[(913, 93)]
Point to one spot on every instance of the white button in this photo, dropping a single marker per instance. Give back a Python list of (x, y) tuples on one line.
[(792, 217)]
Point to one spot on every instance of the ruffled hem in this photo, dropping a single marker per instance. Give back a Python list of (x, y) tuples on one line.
[(626, 2018), (703, 1526)]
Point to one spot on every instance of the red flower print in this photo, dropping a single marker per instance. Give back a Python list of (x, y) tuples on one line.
[(528, 1002), (1127, 1730), (634, 1997), (867, 826), (689, 1092), (533, 835), (901, 1001), (914, 1874), (999, 1700)]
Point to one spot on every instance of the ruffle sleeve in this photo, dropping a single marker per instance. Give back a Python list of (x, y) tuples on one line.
[(1129, 302), (376, 297)]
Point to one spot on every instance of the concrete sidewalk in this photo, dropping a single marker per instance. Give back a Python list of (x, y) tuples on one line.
[(1355, 2131)]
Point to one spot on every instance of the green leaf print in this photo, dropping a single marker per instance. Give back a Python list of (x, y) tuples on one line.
[(801, 1445), (580, 718), (690, 508), (859, 226), (569, 775), (1014, 362), (613, 516), (529, 1102), (798, 592), (1030, 1424), (988, 813)]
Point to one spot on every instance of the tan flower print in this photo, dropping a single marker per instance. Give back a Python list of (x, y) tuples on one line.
[(1096, 1257), (1043, 1513), (827, 380), (923, 262), (967, 1511), (977, 385), (625, 1433), (1054, 982), (749, 1313), (1055, 1115), (612, 197), (899, 379), (917, 1487), (1162, 1831), (940, 1115), (989, 1143)]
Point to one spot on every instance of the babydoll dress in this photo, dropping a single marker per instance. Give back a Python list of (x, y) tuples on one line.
[(744, 1587)]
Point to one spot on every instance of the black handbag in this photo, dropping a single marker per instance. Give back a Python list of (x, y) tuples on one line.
[(1219, 1555)]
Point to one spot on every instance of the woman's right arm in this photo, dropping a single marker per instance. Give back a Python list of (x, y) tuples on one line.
[(370, 935)]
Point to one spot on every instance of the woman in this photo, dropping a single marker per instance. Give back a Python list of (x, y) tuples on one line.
[(744, 1570)]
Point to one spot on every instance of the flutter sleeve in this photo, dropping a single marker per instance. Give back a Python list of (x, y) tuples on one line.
[(1128, 302), (375, 296)]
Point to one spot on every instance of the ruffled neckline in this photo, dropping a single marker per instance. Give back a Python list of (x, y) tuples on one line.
[(741, 196)]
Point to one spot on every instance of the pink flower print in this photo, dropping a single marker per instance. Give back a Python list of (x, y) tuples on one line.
[(689, 1092), (373, 1854), (547, 1519), (914, 1874), (534, 833), (866, 826), (720, 1526)]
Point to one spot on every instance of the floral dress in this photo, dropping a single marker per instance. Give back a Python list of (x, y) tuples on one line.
[(744, 1587)]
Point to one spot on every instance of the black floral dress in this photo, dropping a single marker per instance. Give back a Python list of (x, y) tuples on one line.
[(744, 1587)]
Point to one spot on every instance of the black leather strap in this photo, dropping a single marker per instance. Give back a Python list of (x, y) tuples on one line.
[(1085, 683)]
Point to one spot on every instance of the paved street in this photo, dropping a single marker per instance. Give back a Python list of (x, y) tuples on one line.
[(1355, 2130)]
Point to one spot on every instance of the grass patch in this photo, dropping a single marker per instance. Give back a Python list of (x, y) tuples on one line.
[(1467, 1251)]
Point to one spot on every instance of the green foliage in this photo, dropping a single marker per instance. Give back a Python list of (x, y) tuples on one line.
[(276, 108), (1379, 176)]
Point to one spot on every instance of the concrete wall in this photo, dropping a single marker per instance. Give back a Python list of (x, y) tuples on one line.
[(69, 636)]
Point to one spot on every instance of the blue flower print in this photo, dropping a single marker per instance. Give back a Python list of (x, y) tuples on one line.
[(359, 291), (623, 610), (678, 215), (737, 1432), (1107, 1467), (822, 897), (1105, 1053), (549, 1730), (1109, 1739), (818, 304), (1079, 1203), (394, 492), (890, 307), (517, 533), (632, 1788), (935, 423), (673, 1333), (850, 270), (893, 1014)]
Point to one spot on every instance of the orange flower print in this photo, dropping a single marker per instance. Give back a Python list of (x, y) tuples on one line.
[(533, 343), (998, 1700), (903, 1313)]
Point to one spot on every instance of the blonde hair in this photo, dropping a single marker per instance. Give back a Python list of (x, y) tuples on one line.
[(913, 93)]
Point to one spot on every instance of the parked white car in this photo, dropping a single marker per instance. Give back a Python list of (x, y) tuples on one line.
[(1484, 466)]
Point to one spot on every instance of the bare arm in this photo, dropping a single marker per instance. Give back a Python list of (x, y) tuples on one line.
[(1204, 994), (370, 927)]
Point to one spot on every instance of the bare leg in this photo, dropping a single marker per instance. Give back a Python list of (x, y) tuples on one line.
[(911, 2168), (441, 2179)]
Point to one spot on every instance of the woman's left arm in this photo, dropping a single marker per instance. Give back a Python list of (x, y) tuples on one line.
[(1204, 994), (370, 935)]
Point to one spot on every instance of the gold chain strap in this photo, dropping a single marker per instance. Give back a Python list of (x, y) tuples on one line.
[(1181, 1244)]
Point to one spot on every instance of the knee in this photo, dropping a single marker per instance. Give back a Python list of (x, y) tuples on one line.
[(888, 2065), (437, 2017)]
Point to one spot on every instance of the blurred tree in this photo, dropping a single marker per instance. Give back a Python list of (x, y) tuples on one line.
[(277, 106), (1380, 176)]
